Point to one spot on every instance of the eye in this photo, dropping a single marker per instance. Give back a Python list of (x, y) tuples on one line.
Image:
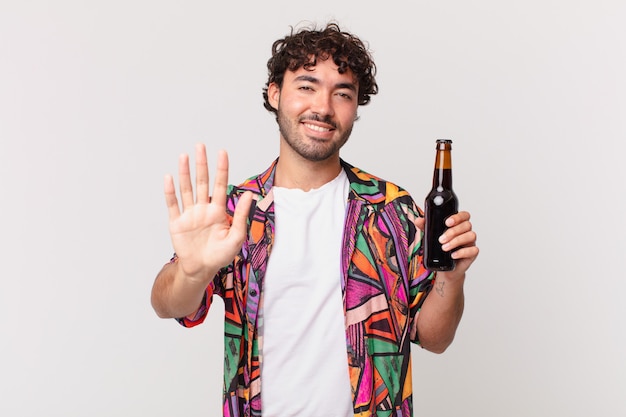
[(347, 96)]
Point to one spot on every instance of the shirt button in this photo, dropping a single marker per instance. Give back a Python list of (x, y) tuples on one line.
[(253, 293)]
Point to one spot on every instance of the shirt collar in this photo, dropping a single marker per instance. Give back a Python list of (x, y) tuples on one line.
[(363, 186)]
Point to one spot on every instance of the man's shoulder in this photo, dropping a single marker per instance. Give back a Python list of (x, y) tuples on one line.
[(258, 184), (374, 189)]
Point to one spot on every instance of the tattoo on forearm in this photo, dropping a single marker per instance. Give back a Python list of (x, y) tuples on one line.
[(439, 288)]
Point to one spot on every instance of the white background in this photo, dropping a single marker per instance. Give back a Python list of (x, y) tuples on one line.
[(98, 99)]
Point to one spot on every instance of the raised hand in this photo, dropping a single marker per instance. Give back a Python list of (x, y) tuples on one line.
[(202, 234)]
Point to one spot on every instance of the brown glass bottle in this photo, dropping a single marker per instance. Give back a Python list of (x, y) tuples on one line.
[(440, 204)]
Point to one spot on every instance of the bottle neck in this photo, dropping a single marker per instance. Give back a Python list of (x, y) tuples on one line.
[(442, 176)]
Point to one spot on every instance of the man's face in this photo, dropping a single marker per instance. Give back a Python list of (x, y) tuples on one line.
[(316, 109)]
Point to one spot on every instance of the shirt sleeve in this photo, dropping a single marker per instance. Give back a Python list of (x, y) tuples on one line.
[(420, 279)]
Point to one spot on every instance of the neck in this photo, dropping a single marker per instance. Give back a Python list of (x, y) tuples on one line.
[(297, 172)]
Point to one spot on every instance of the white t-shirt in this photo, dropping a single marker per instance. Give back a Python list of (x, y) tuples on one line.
[(304, 359)]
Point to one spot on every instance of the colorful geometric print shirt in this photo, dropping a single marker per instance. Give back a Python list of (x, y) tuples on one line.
[(383, 285)]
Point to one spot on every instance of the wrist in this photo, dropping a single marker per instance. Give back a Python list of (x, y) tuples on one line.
[(198, 277), (451, 279)]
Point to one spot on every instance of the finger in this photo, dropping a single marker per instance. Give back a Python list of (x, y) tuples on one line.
[(239, 225), (419, 222), (457, 218), (465, 240), (202, 175), (469, 252), (457, 230), (170, 198), (184, 177), (221, 179)]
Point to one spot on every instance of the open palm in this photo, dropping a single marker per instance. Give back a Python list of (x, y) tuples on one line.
[(204, 236)]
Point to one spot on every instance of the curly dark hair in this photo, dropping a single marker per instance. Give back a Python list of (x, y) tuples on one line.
[(304, 47)]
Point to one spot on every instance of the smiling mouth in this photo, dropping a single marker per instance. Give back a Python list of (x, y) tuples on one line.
[(317, 128)]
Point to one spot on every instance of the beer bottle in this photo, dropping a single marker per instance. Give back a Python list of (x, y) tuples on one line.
[(440, 204)]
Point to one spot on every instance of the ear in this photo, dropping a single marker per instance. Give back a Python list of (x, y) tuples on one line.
[(273, 95)]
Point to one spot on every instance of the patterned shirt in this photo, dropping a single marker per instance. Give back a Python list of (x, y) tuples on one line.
[(383, 287)]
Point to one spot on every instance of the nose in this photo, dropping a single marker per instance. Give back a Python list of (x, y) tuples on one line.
[(322, 104)]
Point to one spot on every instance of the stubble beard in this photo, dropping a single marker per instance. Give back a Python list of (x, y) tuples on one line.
[(309, 148)]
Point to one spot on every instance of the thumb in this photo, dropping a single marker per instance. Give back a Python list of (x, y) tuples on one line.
[(239, 225), (419, 222)]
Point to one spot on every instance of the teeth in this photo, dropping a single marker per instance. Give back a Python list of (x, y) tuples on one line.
[(317, 128)]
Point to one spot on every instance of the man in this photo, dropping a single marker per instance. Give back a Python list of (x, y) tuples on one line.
[(319, 263)]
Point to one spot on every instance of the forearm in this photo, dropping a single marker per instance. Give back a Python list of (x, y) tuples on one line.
[(174, 295), (441, 313)]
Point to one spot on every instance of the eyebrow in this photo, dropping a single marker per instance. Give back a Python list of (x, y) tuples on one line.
[(311, 79)]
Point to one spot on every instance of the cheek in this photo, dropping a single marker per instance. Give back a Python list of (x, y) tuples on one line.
[(292, 106), (349, 116)]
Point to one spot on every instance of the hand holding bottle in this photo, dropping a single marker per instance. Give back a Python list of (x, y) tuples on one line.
[(448, 235), (459, 240)]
